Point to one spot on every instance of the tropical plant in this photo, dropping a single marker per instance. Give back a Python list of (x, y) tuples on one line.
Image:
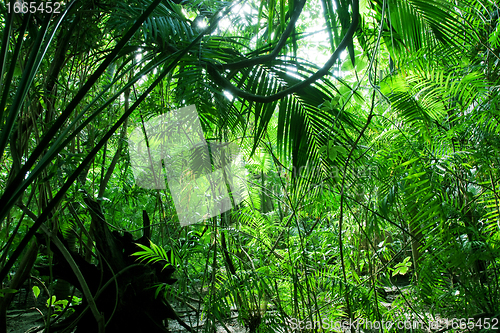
[(371, 155)]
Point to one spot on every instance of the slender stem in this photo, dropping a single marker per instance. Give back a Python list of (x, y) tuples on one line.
[(341, 218)]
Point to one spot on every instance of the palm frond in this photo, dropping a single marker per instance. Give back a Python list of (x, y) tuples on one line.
[(153, 254)]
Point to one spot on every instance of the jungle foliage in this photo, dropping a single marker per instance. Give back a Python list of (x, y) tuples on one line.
[(370, 134)]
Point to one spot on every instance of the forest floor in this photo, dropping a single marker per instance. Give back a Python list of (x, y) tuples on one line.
[(30, 321), (26, 317)]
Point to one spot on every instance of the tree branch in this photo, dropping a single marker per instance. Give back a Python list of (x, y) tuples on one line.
[(281, 43), (225, 84)]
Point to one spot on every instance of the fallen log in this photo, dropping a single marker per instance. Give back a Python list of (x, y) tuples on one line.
[(121, 287)]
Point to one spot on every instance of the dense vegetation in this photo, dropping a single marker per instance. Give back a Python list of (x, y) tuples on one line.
[(369, 131)]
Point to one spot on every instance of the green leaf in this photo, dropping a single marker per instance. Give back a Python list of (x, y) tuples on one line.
[(36, 291), (402, 267), (332, 154), (408, 162), (51, 301), (493, 39), (332, 150), (415, 175), (62, 302), (7, 291)]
